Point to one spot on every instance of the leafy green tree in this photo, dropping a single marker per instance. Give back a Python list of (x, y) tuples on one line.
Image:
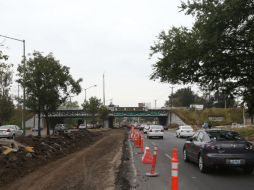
[(48, 84), (103, 113), (217, 52), (95, 108), (6, 103), (184, 97), (69, 105)]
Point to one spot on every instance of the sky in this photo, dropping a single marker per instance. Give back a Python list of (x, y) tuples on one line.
[(93, 37)]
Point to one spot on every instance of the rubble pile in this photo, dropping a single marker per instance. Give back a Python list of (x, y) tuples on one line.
[(25, 154)]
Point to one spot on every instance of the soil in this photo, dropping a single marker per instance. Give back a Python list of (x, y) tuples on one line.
[(94, 162)]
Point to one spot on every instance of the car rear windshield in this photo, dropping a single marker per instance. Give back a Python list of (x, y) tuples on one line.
[(224, 135), (6, 127), (156, 127), (186, 127)]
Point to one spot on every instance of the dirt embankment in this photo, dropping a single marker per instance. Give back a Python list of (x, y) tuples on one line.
[(94, 167)]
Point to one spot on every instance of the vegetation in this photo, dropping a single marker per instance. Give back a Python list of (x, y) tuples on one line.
[(96, 109), (198, 117), (48, 84), (216, 53), (6, 104)]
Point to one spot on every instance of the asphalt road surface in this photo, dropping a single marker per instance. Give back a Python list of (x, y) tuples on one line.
[(190, 178)]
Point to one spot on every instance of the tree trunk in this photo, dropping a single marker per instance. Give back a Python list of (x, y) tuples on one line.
[(251, 118), (47, 123), (39, 124)]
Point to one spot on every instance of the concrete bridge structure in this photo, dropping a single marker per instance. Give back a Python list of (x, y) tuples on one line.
[(163, 115)]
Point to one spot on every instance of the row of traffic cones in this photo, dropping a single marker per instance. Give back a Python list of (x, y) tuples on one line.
[(147, 158)]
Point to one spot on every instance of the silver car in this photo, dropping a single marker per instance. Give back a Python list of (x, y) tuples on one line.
[(10, 131)]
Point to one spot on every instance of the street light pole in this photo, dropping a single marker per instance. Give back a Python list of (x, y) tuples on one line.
[(85, 102), (24, 92), (171, 106)]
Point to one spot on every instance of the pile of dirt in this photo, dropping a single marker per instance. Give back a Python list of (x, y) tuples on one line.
[(123, 176), (20, 163)]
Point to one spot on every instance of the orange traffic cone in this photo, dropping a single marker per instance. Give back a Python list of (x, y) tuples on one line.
[(174, 170), (147, 158), (138, 141), (152, 172), (142, 146)]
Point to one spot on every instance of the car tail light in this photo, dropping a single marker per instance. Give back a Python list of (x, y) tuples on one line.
[(8, 130), (249, 147)]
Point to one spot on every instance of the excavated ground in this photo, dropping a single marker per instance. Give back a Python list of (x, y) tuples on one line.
[(79, 160)]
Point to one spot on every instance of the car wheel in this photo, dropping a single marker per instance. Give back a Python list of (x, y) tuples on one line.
[(176, 135), (185, 156), (248, 170), (202, 167)]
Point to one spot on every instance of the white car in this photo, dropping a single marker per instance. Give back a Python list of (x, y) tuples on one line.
[(184, 131), (146, 128), (82, 126), (155, 131), (10, 131)]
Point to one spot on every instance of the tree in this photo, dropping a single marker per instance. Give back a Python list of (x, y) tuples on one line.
[(217, 52), (69, 105), (103, 113), (6, 103), (95, 107), (48, 84), (184, 97)]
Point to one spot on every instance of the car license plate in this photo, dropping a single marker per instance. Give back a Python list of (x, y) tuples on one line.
[(235, 162), (157, 131)]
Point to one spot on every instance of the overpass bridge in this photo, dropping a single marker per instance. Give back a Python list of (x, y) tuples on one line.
[(114, 112)]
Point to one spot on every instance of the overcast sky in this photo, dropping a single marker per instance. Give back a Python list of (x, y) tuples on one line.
[(93, 37)]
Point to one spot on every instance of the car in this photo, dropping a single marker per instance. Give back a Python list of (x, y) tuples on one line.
[(10, 131), (60, 128), (146, 128), (82, 126), (184, 131), (142, 126), (219, 148), (155, 131), (36, 129)]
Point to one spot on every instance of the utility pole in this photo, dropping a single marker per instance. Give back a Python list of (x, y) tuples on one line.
[(171, 105), (104, 89), (155, 103)]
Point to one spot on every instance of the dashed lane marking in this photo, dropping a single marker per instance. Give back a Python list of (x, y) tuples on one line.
[(168, 156)]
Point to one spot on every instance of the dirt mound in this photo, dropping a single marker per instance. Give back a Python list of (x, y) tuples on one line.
[(18, 164)]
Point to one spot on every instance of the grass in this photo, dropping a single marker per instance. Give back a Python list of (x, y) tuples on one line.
[(246, 132), (198, 117)]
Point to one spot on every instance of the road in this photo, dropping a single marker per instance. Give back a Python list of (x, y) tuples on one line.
[(190, 177)]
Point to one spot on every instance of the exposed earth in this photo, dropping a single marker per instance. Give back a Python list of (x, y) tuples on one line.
[(78, 160)]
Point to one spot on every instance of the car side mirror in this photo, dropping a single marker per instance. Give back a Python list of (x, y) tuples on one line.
[(189, 139)]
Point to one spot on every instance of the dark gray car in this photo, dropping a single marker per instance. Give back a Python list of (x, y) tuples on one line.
[(211, 148)]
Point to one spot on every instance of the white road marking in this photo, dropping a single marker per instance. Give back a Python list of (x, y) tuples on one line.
[(168, 156)]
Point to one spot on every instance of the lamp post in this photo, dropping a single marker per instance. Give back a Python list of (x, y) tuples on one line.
[(24, 92), (85, 102), (171, 105)]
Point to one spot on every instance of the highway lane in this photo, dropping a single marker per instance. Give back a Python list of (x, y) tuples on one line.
[(190, 177)]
